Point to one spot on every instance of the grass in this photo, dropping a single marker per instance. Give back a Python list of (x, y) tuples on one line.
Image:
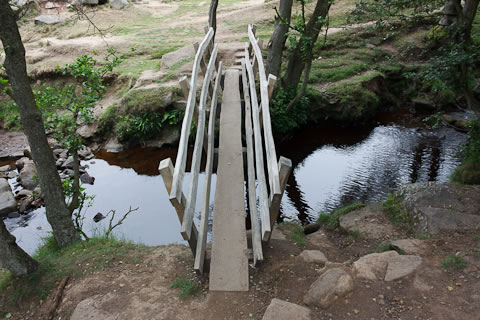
[(187, 287), (77, 260), (454, 262), (295, 233), (332, 221), (393, 208), (387, 246)]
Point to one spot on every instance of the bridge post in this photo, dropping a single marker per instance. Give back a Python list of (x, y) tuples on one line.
[(166, 171)]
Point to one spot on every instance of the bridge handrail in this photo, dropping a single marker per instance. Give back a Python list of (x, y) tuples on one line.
[(181, 160), (197, 150), (267, 125), (278, 173)]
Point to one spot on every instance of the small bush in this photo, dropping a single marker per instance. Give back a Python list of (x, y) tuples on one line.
[(454, 262), (10, 115), (187, 287), (283, 122)]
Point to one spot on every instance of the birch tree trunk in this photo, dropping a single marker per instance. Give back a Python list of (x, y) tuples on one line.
[(58, 214), (278, 38)]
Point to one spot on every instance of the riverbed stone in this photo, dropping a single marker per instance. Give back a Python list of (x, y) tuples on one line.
[(437, 206), (330, 286), (28, 175), (23, 194), (68, 163), (25, 204), (369, 220), (86, 178), (373, 266), (410, 246), (7, 200), (48, 19), (283, 310), (20, 163), (314, 256), (402, 266), (5, 168), (119, 4), (171, 58), (388, 266)]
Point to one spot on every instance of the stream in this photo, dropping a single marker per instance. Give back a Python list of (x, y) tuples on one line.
[(332, 167)]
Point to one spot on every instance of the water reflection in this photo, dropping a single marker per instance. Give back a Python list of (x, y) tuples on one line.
[(364, 166)]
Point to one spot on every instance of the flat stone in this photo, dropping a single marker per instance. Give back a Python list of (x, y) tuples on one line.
[(283, 310), (369, 220), (314, 256), (119, 4), (410, 246), (48, 19), (148, 77), (437, 206), (5, 168), (28, 175), (402, 266), (333, 284), (7, 200), (171, 58), (374, 266)]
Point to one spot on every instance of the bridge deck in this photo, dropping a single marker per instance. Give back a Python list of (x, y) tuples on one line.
[(229, 262)]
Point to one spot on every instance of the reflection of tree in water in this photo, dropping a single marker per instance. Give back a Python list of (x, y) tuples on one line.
[(427, 150), (297, 198)]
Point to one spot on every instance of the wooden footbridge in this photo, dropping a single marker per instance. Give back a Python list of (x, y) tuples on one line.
[(245, 136)]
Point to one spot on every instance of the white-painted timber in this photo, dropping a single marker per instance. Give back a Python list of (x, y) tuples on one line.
[(229, 262), (197, 150), (166, 171), (257, 134), (285, 166), (203, 230), (181, 161), (252, 195), (267, 125)]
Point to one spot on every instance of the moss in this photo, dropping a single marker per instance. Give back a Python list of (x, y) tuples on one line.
[(107, 120), (320, 74), (332, 221), (467, 173), (150, 100)]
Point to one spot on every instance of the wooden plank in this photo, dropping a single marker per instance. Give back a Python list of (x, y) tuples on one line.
[(257, 134), (272, 164), (252, 195), (181, 161), (166, 171), (285, 166), (197, 150), (203, 65), (254, 30), (271, 85), (229, 263), (185, 90), (202, 235)]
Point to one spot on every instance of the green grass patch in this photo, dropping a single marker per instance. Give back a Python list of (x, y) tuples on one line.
[(454, 262), (387, 246), (295, 233), (332, 220), (393, 208), (10, 115), (77, 260), (320, 74), (187, 287)]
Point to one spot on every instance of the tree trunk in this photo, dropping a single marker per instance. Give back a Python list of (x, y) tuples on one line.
[(76, 183), (212, 15), (469, 12), (57, 212), (278, 38), (12, 257), (296, 62)]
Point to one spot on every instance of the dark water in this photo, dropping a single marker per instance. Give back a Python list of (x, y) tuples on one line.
[(332, 167)]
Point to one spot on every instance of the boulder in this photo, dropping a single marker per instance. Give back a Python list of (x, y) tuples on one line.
[(314, 256), (25, 204), (388, 266), (86, 178), (369, 220), (402, 266), (172, 58), (23, 194), (283, 310), (27, 152), (148, 78), (28, 175), (98, 217), (437, 207), (119, 4), (373, 266), (59, 162), (410, 246), (5, 168), (85, 153), (333, 284), (58, 151), (20, 162), (68, 163), (7, 200), (48, 19)]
